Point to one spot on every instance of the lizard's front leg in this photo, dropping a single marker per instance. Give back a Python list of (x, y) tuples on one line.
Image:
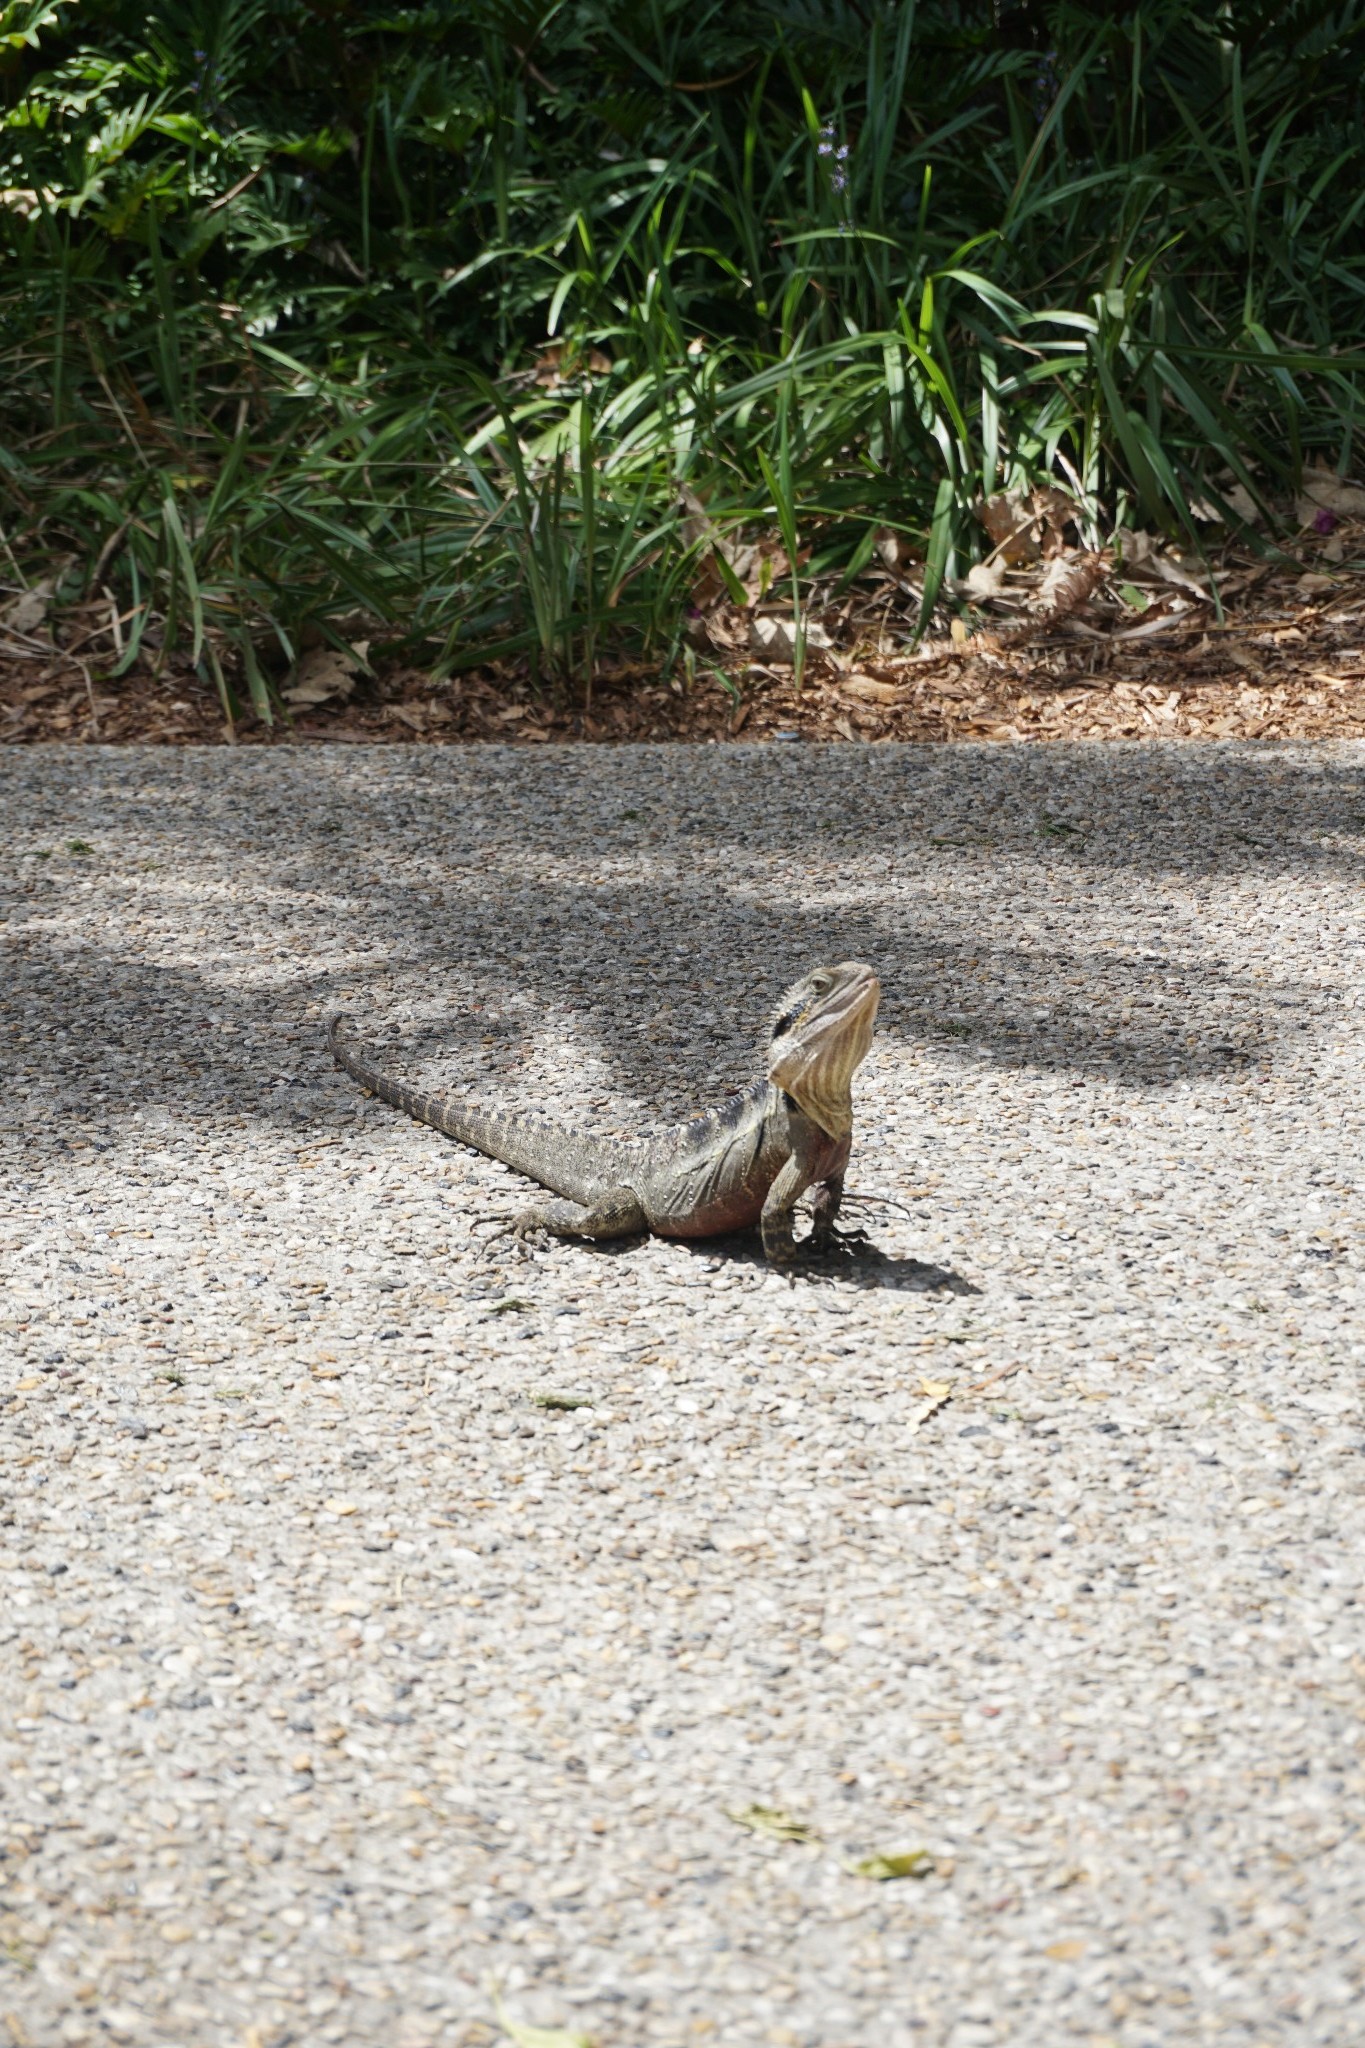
[(618, 1213), (779, 1237)]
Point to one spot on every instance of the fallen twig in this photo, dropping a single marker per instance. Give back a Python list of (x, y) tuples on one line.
[(993, 1378)]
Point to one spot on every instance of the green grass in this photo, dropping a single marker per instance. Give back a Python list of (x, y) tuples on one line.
[(280, 284)]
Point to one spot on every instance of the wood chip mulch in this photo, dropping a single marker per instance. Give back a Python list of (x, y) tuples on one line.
[(1285, 662)]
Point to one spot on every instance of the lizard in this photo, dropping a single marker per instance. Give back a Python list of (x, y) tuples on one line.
[(748, 1161)]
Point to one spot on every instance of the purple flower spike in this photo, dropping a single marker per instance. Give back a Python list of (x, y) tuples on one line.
[(828, 147), (1324, 521)]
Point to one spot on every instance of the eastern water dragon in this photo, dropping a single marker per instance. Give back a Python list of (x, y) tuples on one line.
[(748, 1161)]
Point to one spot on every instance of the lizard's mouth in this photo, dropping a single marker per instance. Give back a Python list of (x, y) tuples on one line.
[(816, 1059)]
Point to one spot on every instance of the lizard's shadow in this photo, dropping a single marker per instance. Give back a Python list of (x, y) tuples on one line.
[(859, 1265), (843, 1265)]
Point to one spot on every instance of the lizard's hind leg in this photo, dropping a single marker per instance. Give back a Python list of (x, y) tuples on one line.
[(618, 1213), (828, 1195)]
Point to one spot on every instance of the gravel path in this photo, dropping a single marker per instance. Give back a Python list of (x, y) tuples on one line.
[(348, 1669)]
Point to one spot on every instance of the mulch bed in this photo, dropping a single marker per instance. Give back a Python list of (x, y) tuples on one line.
[(1286, 661)]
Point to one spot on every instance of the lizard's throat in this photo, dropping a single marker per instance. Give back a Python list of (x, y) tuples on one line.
[(819, 1076), (830, 1107)]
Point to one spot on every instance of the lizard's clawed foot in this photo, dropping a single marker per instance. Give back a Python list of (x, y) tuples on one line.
[(831, 1242), (520, 1225)]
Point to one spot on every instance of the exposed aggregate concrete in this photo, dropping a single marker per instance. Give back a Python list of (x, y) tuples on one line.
[(340, 1681)]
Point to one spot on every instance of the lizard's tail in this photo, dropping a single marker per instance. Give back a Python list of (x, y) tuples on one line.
[(569, 1163)]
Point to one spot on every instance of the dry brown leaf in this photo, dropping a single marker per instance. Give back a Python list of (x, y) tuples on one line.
[(1239, 500), (326, 672), (1054, 511), (984, 579), (1023, 528), (1055, 582), (1145, 558), (696, 526), (1008, 520), (1067, 584), (29, 611), (874, 691), (938, 1394), (775, 639), (895, 551), (559, 360), (708, 590), (1324, 491)]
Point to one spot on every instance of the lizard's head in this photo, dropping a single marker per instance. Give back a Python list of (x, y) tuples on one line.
[(820, 1036)]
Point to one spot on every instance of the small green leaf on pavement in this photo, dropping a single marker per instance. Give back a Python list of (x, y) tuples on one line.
[(914, 1863), (774, 1821), (526, 2036)]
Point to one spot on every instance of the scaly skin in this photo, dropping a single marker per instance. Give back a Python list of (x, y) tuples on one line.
[(749, 1161)]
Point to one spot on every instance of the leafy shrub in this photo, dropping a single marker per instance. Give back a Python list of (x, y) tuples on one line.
[(311, 308)]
